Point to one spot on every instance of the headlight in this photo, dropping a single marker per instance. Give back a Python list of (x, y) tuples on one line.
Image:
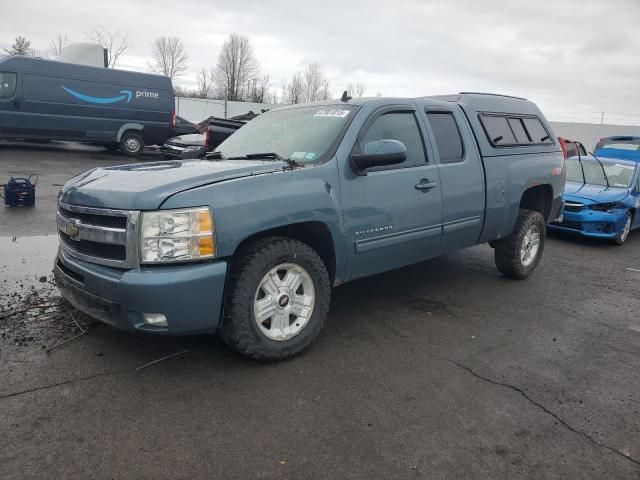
[(177, 235), (192, 148), (604, 207)]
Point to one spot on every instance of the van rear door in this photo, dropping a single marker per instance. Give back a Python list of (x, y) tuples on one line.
[(10, 118)]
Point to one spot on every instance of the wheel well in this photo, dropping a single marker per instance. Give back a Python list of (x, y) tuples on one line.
[(315, 234), (538, 198)]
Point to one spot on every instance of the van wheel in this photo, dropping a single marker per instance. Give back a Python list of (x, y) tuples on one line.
[(131, 144), (277, 300), (518, 255)]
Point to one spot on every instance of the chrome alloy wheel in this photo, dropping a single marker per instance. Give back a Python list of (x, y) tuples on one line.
[(284, 301), (132, 144), (530, 246), (626, 229)]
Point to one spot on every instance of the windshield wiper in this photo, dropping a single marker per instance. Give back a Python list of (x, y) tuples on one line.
[(217, 155), (584, 178), (267, 156), (606, 178)]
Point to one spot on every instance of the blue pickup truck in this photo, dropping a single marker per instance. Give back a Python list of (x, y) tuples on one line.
[(249, 241)]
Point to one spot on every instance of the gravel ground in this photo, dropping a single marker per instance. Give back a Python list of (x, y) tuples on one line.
[(441, 370)]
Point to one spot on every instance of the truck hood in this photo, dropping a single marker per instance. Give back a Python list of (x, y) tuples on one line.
[(144, 186), (595, 193)]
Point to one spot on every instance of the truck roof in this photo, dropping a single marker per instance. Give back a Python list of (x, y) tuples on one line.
[(84, 72)]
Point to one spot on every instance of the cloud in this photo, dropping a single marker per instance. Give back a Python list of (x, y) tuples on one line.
[(570, 56)]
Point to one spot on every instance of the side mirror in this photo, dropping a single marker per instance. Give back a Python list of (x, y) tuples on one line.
[(377, 154)]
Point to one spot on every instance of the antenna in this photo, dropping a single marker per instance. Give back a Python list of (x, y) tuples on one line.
[(345, 97)]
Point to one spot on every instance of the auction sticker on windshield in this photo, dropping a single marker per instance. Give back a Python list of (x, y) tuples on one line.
[(332, 113)]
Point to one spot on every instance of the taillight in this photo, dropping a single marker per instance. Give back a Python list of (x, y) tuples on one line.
[(173, 119), (207, 139)]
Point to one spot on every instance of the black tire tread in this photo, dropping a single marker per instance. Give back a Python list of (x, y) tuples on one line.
[(238, 333), (507, 249)]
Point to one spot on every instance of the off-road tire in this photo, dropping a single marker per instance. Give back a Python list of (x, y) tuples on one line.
[(508, 249), (126, 142), (239, 330)]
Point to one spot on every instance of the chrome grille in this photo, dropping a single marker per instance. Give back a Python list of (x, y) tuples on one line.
[(573, 206), (98, 235)]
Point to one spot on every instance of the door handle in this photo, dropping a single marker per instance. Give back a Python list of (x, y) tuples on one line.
[(16, 104), (425, 185)]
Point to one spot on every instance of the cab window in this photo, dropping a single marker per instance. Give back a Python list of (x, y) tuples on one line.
[(447, 135), (401, 126), (7, 84)]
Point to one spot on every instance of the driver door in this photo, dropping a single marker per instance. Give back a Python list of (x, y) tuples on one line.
[(393, 214)]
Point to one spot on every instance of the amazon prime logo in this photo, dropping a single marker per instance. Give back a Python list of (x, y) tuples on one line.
[(125, 95)]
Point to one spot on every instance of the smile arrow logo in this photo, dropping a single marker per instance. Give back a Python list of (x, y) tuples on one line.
[(100, 100)]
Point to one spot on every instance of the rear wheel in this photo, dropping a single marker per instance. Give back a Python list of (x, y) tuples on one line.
[(625, 231), (131, 144), (277, 301), (518, 255)]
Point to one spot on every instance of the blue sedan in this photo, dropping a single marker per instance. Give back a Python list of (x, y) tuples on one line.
[(601, 197)]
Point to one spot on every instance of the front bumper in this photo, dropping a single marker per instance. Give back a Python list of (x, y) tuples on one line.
[(592, 223), (189, 296)]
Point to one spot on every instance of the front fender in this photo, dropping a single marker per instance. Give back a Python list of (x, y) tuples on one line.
[(250, 205)]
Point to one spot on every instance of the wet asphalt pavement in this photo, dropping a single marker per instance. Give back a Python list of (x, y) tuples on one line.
[(442, 370)]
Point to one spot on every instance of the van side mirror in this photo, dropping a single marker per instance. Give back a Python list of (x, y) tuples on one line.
[(378, 154)]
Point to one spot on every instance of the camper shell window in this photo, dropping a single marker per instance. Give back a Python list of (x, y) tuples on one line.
[(510, 130)]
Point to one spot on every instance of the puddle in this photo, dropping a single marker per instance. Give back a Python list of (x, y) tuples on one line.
[(24, 261), (26, 282)]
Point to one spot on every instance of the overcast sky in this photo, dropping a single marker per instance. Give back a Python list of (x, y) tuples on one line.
[(575, 58)]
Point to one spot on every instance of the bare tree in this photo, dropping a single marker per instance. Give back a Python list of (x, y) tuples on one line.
[(325, 93), (236, 67), (169, 57), (57, 46), (294, 90), (115, 43), (313, 81), (360, 88), (20, 46), (205, 84)]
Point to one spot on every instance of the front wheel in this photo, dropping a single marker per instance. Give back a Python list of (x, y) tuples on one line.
[(518, 255), (625, 231), (278, 299)]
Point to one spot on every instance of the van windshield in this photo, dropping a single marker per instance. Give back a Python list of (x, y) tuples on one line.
[(304, 134)]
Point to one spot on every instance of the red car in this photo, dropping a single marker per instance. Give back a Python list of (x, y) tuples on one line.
[(571, 148)]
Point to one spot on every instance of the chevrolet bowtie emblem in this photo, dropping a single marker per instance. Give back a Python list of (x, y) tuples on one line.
[(71, 228)]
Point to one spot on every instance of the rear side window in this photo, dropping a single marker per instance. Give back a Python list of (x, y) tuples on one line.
[(536, 131), (506, 130), (518, 130), (400, 126), (7, 84), (498, 130), (447, 135)]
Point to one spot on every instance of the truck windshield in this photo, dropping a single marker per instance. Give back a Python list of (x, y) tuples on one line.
[(591, 172), (304, 134)]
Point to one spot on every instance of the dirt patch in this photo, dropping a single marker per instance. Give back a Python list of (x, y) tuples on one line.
[(39, 315)]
